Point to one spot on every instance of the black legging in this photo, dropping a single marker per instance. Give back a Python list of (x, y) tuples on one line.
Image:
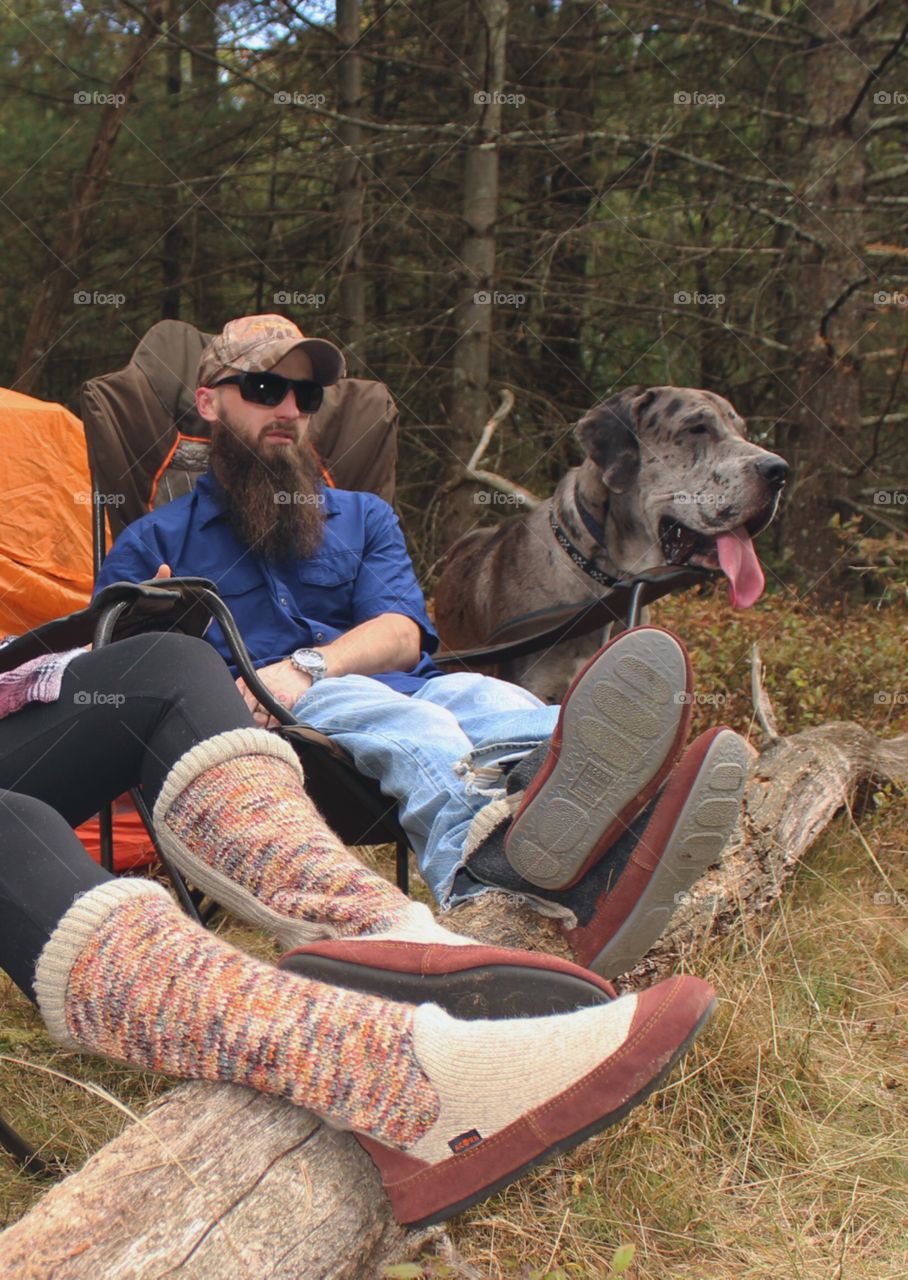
[(125, 715)]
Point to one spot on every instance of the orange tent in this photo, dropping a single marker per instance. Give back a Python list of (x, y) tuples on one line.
[(45, 551), (45, 513)]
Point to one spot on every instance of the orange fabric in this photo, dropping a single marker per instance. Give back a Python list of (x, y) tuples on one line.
[(326, 474), (132, 843), (45, 513)]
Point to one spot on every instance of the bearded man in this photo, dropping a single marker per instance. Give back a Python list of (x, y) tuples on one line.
[(587, 819)]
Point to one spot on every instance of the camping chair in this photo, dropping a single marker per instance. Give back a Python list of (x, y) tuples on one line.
[(147, 445)]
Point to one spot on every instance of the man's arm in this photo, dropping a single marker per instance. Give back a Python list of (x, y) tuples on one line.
[(389, 642)]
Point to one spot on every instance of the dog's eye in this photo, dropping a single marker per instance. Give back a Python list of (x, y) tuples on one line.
[(698, 429)]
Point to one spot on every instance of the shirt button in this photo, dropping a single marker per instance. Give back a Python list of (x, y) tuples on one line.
[(319, 635), (284, 601)]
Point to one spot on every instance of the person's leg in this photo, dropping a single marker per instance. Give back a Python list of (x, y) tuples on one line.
[(448, 1110), (43, 868), (412, 748), (126, 713), (434, 751)]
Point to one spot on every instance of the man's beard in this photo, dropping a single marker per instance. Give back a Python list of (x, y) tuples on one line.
[(275, 506)]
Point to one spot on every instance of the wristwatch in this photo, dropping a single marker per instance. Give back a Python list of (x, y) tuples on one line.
[(311, 662)]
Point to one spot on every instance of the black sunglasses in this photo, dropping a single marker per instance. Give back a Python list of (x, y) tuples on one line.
[(270, 389)]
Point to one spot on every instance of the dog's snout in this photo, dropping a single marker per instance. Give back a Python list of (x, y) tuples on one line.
[(774, 470)]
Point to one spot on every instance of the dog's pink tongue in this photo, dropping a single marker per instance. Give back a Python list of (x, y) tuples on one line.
[(741, 567)]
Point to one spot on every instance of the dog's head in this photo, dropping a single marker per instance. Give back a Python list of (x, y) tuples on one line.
[(685, 484)]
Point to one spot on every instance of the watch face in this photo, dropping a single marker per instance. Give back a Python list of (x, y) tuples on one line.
[(310, 661)]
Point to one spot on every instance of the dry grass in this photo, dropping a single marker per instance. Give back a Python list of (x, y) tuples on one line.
[(779, 1150)]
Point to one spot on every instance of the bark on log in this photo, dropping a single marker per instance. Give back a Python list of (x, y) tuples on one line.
[(217, 1183)]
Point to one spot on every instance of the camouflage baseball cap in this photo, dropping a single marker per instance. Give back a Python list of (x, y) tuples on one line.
[(254, 344)]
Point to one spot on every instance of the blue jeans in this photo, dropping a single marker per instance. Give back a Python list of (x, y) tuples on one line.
[(423, 748)]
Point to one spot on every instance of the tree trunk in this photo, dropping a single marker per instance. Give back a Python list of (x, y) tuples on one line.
[(826, 414), (172, 234), (218, 1183), (202, 264), (350, 190), (61, 277), (475, 309)]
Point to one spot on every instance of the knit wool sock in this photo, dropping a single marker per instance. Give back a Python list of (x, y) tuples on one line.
[(234, 817), (128, 975)]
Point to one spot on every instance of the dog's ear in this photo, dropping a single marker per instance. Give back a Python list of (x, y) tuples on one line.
[(608, 435)]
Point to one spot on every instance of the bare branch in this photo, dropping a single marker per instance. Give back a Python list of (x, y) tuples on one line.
[(505, 406), (763, 708)]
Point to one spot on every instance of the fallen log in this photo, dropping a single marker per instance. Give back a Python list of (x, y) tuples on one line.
[(217, 1183)]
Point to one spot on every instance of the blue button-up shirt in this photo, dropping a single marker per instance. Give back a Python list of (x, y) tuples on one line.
[(360, 571)]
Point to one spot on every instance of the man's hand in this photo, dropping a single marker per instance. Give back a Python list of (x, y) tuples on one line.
[(283, 682), (164, 571)]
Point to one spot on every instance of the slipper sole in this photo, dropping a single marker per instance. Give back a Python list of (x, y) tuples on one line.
[(487, 989), (694, 841), (622, 724)]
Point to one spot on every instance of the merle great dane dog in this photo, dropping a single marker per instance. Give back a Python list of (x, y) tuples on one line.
[(669, 477)]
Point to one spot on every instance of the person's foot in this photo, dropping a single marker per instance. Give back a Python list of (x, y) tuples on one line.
[(616, 912), (626, 902), (622, 724), (511, 1094), (468, 982)]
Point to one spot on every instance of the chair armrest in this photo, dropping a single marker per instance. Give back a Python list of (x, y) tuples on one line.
[(531, 632)]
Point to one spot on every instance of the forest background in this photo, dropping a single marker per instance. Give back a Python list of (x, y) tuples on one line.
[(562, 199)]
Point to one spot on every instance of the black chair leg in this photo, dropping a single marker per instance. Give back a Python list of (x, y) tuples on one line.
[(105, 831), (25, 1155), (403, 867), (188, 901)]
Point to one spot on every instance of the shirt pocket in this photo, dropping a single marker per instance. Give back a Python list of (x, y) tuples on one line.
[(325, 589), (338, 569), (240, 581)]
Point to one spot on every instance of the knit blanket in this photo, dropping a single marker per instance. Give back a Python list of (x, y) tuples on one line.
[(35, 681)]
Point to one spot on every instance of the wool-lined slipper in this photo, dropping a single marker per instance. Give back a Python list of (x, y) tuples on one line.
[(625, 903), (513, 1094), (621, 727), (468, 982)]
